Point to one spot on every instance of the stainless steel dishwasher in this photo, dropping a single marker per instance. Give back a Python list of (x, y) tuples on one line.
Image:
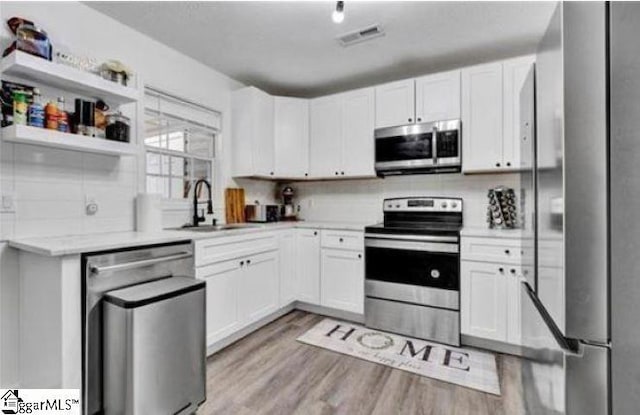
[(110, 270)]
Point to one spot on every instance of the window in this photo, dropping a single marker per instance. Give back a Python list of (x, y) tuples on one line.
[(180, 145)]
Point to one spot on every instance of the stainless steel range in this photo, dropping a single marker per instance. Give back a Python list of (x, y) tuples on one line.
[(412, 269)]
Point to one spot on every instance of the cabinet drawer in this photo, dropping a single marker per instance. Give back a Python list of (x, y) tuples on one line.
[(351, 240), (214, 250), (507, 251)]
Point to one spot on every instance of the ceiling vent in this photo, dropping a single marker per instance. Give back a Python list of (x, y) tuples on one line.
[(361, 35)]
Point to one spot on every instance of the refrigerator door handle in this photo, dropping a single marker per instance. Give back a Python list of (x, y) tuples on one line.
[(569, 346)]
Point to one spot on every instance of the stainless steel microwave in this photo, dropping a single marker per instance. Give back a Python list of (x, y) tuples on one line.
[(419, 148)]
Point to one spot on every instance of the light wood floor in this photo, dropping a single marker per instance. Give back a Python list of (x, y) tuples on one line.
[(269, 372)]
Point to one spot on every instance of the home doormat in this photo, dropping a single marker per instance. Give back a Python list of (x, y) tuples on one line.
[(461, 366)]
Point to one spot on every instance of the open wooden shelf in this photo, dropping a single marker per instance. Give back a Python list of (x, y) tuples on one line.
[(23, 134), (28, 67)]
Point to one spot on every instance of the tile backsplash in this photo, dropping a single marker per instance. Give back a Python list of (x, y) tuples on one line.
[(361, 200), (49, 188)]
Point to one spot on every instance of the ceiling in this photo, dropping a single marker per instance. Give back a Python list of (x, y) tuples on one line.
[(290, 48)]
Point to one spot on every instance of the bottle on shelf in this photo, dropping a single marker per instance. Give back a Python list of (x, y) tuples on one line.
[(63, 117), (36, 110), (20, 107), (51, 115)]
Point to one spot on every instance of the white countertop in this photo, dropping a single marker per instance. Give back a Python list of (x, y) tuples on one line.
[(77, 244)]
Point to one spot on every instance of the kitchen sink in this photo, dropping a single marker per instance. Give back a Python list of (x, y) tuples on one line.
[(214, 228)]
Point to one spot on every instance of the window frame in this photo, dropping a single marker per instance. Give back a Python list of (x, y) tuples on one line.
[(190, 157)]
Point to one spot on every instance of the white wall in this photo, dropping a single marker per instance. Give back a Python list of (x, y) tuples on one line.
[(361, 200)]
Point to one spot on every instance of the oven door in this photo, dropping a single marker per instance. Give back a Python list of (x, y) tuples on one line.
[(415, 269), (404, 147)]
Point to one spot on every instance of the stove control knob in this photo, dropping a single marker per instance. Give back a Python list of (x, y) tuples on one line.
[(398, 206), (444, 205), (454, 205), (435, 273)]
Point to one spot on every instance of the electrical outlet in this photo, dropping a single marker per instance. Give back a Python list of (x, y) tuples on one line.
[(90, 205), (8, 203)]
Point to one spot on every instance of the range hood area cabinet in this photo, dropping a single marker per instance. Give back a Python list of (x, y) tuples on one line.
[(341, 142), (434, 97), (491, 115)]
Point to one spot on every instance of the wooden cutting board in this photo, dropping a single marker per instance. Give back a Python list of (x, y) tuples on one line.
[(234, 205)]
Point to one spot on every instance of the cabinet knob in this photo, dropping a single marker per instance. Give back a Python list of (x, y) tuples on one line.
[(508, 163), (419, 119), (248, 261), (501, 269), (337, 173), (315, 233), (241, 263), (306, 174), (506, 251), (410, 119), (513, 271), (341, 240), (497, 164), (342, 173), (271, 173), (359, 255)]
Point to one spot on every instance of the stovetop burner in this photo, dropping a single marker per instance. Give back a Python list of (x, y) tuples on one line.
[(420, 216)]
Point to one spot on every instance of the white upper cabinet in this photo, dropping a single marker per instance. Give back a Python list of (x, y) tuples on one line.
[(342, 143), (515, 72), (325, 154), (358, 151), (395, 103), (291, 137), (492, 97), (482, 117), (252, 126), (438, 97)]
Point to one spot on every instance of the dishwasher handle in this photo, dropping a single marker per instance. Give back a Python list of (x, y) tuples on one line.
[(95, 270)]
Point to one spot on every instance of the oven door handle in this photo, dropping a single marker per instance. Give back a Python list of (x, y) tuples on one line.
[(425, 238), (408, 245)]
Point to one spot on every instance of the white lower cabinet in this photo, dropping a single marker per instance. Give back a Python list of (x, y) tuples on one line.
[(308, 265), (223, 282), (490, 301), (342, 280), (250, 277), (288, 278)]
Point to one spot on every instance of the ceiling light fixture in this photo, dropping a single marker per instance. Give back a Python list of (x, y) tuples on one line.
[(338, 14)]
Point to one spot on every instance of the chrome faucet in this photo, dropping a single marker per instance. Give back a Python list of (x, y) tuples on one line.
[(197, 218)]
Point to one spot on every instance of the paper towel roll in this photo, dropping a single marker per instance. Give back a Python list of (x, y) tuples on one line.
[(148, 212)]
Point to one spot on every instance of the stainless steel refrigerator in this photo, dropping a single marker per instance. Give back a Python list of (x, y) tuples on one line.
[(581, 288)]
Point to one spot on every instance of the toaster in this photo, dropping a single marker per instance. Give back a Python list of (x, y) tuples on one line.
[(262, 213)]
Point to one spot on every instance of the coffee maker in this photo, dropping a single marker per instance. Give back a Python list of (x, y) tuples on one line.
[(288, 208)]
